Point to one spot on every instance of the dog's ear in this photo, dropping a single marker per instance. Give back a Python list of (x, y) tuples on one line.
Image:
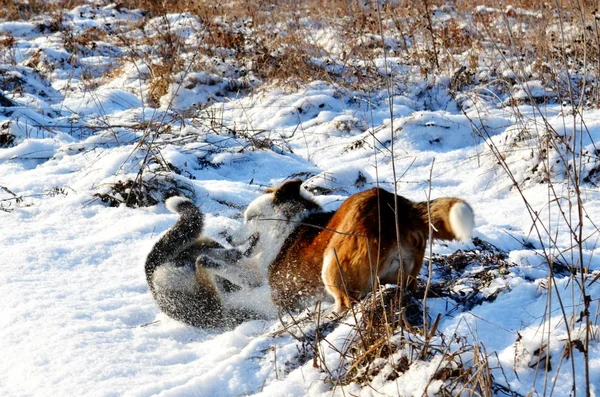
[(289, 191)]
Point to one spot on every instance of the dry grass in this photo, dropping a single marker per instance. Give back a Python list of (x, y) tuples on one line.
[(277, 42), (292, 43), (14, 10), (389, 336)]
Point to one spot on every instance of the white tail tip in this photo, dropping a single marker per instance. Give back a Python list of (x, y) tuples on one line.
[(462, 220), (176, 203)]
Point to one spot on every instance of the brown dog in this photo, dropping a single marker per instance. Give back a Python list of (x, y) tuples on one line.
[(374, 243), (364, 242)]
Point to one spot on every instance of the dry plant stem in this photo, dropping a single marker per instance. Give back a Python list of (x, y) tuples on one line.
[(430, 29), (579, 236), (429, 264), (390, 92), (578, 239), (275, 361), (378, 254), (486, 389), (533, 215), (316, 344)]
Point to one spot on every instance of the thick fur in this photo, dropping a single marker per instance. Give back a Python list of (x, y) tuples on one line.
[(345, 253), (270, 219), (179, 272), (373, 243), (295, 274)]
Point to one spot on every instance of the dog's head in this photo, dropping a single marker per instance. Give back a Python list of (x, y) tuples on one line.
[(282, 203), (272, 217)]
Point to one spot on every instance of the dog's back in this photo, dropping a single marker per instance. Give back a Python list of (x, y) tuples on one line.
[(381, 237)]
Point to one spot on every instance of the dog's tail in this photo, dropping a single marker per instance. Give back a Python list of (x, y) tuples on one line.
[(451, 218), (179, 238)]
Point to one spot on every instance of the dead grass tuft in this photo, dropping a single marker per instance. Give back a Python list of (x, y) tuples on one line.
[(145, 192), (388, 337)]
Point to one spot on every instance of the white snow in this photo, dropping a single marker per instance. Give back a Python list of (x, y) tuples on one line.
[(76, 314)]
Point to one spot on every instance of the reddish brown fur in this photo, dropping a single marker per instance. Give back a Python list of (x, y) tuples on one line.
[(355, 248), (295, 275)]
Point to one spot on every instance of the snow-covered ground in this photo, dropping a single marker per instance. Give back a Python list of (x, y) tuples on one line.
[(77, 317)]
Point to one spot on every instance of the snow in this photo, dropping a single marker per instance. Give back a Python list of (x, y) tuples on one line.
[(77, 315)]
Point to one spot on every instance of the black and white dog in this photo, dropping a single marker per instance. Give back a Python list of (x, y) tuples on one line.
[(196, 280)]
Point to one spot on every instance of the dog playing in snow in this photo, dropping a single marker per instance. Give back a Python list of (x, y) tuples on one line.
[(302, 251), (179, 272), (375, 236)]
